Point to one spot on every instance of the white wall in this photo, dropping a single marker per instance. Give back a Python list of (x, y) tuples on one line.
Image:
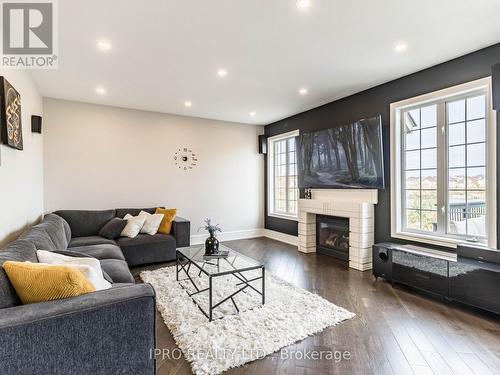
[(21, 172), (99, 157)]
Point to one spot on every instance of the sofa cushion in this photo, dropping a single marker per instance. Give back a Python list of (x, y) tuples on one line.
[(145, 249), (90, 240), (101, 251), (39, 237), (40, 282), (152, 223), (89, 266), (113, 228), (121, 212), (72, 253), (134, 225), (54, 226), (168, 218), (67, 229), (86, 223), (21, 251), (117, 270)]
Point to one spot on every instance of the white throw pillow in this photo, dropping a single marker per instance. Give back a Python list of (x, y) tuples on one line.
[(134, 225), (90, 267), (152, 222)]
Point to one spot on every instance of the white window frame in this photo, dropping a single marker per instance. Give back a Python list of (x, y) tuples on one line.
[(397, 230), (270, 174)]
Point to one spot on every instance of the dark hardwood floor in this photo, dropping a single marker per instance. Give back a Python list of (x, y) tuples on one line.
[(395, 331)]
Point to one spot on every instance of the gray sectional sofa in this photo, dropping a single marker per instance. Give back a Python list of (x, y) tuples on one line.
[(106, 332), (84, 227)]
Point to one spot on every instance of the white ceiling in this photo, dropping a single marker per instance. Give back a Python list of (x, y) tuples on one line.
[(165, 52)]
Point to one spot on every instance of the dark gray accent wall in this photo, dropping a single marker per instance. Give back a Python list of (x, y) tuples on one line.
[(376, 101)]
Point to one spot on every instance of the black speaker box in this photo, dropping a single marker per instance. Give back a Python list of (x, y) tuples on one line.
[(495, 76), (36, 124), (382, 262), (262, 144)]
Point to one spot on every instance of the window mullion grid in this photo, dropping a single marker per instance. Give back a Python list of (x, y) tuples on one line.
[(282, 193), (287, 163), (445, 162), (486, 171), (420, 167), (276, 176), (466, 173), (442, 169), (404, 221)]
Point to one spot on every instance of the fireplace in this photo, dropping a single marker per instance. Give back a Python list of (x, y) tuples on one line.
[(354, 205), (332, 236)]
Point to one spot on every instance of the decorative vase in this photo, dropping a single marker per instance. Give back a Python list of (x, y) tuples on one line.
[(211, 245)]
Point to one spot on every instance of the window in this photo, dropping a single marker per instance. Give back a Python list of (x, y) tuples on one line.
[(282, 166), (444, 166)]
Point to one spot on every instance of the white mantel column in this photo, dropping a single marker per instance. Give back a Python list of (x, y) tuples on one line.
[(307, 232)]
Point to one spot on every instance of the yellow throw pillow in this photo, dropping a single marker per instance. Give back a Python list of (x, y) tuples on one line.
[(38, 282), (168, 217)]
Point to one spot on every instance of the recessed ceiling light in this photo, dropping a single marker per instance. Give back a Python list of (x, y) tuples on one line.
[(303, 4), (303, 91), (401, 47), (100, 90), (104, 45), (188, 103), (222, 72), (253, 114)]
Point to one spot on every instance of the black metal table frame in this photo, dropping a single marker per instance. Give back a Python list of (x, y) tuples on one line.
[(236, 272)]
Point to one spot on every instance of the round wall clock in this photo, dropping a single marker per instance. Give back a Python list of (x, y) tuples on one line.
[(185, 158)]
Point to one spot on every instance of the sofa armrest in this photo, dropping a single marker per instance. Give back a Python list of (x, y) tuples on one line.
[(181, 230), (110, 331)]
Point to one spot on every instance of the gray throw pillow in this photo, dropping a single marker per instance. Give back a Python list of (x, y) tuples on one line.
[(113, 228)]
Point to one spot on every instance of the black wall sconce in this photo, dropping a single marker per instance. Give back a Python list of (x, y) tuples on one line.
[(36, 124), (262, 144), (495, 76)]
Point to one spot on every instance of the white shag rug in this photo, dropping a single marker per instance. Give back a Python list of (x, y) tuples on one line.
[(232, 339)]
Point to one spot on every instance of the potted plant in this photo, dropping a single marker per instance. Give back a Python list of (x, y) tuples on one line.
[(211, 243)]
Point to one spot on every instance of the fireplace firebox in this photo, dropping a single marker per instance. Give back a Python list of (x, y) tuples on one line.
[(332, 236)]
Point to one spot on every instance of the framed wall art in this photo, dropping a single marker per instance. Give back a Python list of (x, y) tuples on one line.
[(10, 117)]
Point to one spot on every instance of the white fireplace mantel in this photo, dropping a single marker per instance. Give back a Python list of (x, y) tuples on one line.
[(356, 205)]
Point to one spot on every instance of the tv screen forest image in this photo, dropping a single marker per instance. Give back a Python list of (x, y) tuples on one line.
[(346, 156)]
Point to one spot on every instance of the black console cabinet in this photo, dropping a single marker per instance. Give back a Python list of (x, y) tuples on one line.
[(474, 279), (421, 272)]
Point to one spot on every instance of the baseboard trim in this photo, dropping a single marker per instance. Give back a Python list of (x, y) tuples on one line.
[(282, 237), (198, 239)]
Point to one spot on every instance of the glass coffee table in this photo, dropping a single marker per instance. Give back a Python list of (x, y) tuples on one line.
[(194, 269)]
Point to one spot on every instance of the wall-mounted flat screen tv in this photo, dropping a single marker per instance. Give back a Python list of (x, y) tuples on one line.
[(347, 156)]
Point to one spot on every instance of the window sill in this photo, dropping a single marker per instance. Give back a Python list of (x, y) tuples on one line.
[(286, 217), (429, 240), (439, 241)]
